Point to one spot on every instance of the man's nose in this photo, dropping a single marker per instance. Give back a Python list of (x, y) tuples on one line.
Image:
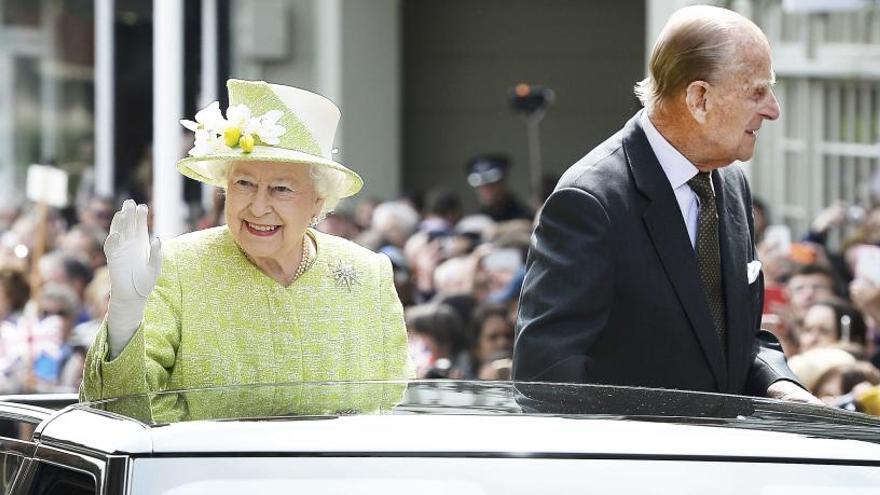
[(771, 109)]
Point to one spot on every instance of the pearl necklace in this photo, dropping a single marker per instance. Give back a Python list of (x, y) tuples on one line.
[(305, 261)]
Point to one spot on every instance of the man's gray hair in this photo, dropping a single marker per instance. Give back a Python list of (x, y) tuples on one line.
[(693, 46)]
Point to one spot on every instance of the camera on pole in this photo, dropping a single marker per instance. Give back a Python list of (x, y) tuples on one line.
[(532, 102)]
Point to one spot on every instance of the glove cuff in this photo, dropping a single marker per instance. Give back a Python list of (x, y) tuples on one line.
[(123, 320)]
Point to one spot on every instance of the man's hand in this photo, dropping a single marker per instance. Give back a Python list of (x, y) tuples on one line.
[(786, 390)]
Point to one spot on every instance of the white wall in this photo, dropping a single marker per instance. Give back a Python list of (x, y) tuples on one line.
[(371, 111), (347, 50)]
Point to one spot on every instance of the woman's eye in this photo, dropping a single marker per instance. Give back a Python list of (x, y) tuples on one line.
[(243, 183), (282, 189)]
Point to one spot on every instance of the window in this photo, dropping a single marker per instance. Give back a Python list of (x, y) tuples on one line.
[(55, 480), (10, 465)]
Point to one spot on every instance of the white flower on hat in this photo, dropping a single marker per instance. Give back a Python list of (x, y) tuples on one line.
[(214, 134), (207, 118), (207, 142), (266, 127), (238, 116)]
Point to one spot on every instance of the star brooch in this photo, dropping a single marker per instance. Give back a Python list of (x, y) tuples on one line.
[(346, 275)]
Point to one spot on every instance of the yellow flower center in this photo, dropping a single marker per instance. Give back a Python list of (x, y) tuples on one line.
[(231, 136), (247, 143)]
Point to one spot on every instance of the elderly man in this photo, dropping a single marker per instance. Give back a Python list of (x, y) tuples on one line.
[(641, 269)]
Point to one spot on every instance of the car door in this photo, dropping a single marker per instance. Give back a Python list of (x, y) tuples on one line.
[(17, 424), (30, 468)]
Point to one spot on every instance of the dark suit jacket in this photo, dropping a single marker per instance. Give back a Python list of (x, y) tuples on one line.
[(612, 294)]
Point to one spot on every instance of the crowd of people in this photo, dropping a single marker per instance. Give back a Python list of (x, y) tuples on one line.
[(54, 291), (459, 274), (823, 303)]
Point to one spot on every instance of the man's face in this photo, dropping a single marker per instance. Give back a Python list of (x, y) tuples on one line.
[(739, 102), (491, 194), (806, 290), (819, 329)]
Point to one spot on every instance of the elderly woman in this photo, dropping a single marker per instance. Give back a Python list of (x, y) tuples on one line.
[(264, 299)]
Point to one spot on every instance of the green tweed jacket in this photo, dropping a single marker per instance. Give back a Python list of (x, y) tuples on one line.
[(215, 319)]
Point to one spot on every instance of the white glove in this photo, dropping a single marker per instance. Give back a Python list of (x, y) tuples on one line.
[(134, 264)]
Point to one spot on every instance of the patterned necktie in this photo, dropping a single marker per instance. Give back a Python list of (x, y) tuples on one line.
[(709, 254)]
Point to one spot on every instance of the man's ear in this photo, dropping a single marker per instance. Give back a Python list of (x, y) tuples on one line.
[(696, 97)]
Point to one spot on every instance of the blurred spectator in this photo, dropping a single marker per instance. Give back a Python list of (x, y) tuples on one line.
[(454, 276), (842, 379), (486, 174), (214, 216), (442, 210), (866, 296), (403, 281), (363, 213), (810, 365), (762, 218), (97, 299), (60, 300), (807, 285), (500, 267), (33, 354), (829, 322), (98, 213), (436, 336), (423, 255), (59, 368), (498, 367), (508, 297), (57, 267), (478, 227), (339, 224), (463, 304), (831, 217), (493, 335), (14, 294), (393, 223), (85, 243), (28, 353)]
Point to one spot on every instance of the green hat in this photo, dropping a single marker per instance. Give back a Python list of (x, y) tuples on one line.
[(267, 123)]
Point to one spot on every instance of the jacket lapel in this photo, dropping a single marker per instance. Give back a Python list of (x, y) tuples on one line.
[(669, 235), (732, 231)]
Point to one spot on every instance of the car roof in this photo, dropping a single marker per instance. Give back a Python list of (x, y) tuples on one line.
[(480, 418)]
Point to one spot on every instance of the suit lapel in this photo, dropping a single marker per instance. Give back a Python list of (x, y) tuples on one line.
[(669, 235), (732, 231)]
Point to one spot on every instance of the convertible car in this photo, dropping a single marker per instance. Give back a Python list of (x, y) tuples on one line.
[(440, 437)]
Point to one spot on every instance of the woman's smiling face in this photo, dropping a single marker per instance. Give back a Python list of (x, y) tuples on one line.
[(268, 208)]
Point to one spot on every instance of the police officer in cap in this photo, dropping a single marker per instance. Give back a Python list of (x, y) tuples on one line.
[(486, 173)]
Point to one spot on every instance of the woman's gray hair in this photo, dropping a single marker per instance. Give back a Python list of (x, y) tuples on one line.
[(693, 46), (329, 185)]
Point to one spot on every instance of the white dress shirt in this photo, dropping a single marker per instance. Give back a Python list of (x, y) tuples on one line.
[(679, 170)]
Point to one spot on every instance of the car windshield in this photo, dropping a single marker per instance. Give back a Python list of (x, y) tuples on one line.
[(311, 400)]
